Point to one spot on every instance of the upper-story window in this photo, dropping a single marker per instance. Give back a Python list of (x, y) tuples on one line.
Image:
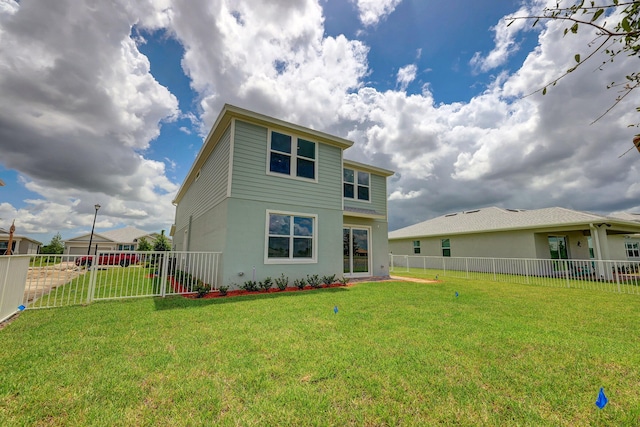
[(356, 184), (293, 156)]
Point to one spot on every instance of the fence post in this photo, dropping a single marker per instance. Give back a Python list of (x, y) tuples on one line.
[(493, 261), (616, 273), (526, 270), (406, 257), (566, 272), (466, 266), (93, 271), (424, 264), (163, 273)]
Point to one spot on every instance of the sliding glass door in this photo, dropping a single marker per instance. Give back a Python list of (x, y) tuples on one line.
[(356, 256)]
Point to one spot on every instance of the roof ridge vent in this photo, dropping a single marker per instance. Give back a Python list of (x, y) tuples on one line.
[(514, 210), (452, 214), (474, 211)]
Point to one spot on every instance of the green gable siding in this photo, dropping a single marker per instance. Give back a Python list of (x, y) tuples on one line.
[(210, 188), (378, 196), (250, 180)]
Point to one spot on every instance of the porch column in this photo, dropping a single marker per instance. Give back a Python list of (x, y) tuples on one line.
[(603, 241)]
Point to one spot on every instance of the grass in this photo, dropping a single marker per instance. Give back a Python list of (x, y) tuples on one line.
[(111, 282), (629, 286), (396, 353)]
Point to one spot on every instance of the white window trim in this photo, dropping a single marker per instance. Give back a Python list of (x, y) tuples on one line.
[(370, 243), (314, 237), (442, 247), (356, 185), (294, 157), (631, 250)]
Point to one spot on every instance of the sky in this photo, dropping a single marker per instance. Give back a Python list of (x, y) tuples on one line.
[(108, 102)]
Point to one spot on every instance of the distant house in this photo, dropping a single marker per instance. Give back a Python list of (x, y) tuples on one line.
[(550, 233), (122, 239), (22, 245), (278, 198)]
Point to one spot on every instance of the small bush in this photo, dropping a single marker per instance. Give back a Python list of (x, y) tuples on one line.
[(282, 282), (223, 290), (299, 283), (344, 281), (329, 280), (314, 281), (250, 286), (201, 288), (265, 285)]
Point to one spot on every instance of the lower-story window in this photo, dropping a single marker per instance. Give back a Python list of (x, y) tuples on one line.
[(633, 249), (416, 247), (291, 237), (446, 247)]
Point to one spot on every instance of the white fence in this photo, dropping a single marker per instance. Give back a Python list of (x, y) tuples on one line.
[(613, 276), (43, 281), (13, 274)]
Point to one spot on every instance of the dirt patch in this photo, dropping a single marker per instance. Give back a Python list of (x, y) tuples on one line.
[(413, 279), (41, 280)]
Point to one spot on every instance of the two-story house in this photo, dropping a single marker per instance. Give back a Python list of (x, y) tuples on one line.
[(275, 197)]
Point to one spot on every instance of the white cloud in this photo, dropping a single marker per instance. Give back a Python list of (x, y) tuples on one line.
[(373, 11), (505, 35), (85, 101), (79, 107), (406, 75)]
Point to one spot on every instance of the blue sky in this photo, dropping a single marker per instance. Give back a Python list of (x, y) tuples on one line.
[(109, 104)]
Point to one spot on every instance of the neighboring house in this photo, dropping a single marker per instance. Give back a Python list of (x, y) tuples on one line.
[(277, 198), (631, 242), (551, 233), (122, 239), (22, 245)]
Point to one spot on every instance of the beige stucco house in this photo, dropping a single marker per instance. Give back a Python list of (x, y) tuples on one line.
[(121, 239), (22, 245), (550, 233)]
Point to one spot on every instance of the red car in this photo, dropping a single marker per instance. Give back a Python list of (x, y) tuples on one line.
[(121, 259)]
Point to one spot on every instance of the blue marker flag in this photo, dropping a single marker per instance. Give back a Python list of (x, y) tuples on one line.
[(21, 307), (456, 294), (602, 399), (335, 309)]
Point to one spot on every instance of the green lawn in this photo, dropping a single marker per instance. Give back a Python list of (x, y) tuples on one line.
[(394, 354), (111, 282)]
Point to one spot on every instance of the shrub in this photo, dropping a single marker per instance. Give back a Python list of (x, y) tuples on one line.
[(201, 288), (344, 281), (265, 285), (250, 286), (329, 280), (314, 281), (282, 282), (223, 290), (299, 283)]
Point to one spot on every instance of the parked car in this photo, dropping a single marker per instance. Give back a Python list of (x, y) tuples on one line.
[(122, 259)]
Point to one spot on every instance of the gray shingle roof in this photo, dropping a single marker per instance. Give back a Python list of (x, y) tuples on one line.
[(497, 219), (124, 235), (627, 216)]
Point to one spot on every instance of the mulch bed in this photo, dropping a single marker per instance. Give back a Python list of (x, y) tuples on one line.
[(240, 292)]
